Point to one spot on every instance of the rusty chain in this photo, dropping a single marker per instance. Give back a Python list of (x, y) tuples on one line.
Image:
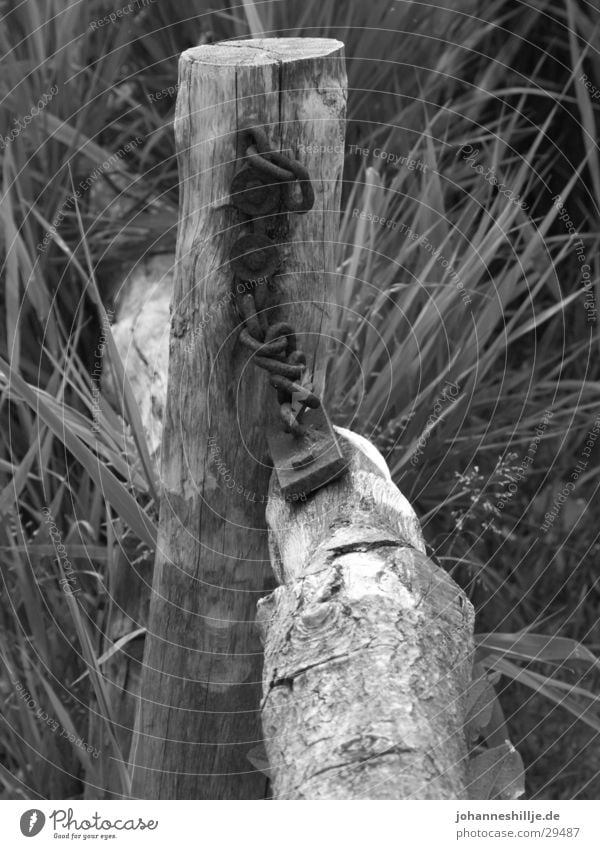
[(267, 184)]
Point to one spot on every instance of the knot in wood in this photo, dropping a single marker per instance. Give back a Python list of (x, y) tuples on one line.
[(317, 615)]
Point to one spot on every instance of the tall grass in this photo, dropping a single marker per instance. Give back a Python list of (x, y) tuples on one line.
[(430, 85)]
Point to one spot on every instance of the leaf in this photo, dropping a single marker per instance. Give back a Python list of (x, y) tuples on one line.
[(496, 731), (102, 693), (497, 773), (120, 498), (132, 413), (255, 25), (67, 723), (117, 646), (480, 701), (74, 139), (131, 408), (579, 701), (11, 492), (536, 647)]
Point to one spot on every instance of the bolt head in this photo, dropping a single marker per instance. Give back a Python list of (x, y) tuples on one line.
[(255, 193), (254, 257)]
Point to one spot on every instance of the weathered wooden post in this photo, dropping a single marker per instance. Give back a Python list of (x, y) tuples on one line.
[(200, 692)]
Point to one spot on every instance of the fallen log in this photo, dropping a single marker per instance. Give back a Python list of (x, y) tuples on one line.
[(368, 646)]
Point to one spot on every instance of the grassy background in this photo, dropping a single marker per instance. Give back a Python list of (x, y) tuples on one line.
[(428, 83)]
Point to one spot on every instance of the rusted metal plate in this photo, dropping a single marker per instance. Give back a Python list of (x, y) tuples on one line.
[(304, 463)]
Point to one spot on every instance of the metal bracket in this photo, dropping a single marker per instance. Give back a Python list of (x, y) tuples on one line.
[(306, 461)]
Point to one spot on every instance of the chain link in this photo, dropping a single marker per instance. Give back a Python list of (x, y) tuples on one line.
[(267, 184)]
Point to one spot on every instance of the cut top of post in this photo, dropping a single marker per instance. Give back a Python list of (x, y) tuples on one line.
[(259, 51)]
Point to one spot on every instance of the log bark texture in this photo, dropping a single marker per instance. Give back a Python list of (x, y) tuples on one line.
[(200, 692), (368, 646)]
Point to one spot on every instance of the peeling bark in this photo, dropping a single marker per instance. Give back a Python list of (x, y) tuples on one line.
[(368, 647)]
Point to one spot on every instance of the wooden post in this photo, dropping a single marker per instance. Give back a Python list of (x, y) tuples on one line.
[(200, 692), (368, 647)]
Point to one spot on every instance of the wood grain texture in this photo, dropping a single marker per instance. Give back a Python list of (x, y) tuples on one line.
[(368, 647), (199, 705)]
